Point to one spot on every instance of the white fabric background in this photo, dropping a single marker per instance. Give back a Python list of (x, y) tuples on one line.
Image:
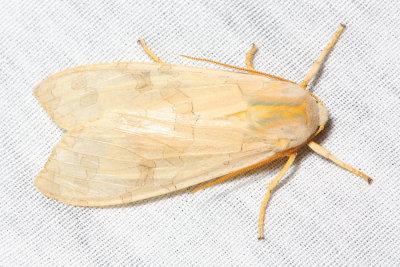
[(321, 214)]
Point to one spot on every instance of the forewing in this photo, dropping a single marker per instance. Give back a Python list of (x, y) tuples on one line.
[(123, 157), (140, 130), (83, 93)]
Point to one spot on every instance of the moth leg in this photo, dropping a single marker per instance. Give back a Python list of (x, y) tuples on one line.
[(271, 187), (326, 154), (320, 60), (250, 56), (149, 52)]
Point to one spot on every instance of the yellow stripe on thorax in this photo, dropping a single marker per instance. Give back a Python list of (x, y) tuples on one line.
[(275, 113)]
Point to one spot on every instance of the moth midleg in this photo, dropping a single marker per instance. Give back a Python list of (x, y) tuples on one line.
[(250, 56), (320, 150), (271, 187), (149, 52), (316, 66)]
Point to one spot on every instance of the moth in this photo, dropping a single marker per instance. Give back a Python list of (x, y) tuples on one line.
[(139, 130)]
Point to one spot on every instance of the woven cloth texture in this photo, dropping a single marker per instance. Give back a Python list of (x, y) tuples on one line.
[(319, 215)]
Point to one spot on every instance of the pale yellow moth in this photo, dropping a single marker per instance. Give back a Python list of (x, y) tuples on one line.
[(139, 130)]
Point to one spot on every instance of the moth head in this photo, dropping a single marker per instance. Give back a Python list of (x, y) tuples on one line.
[(323, 114)]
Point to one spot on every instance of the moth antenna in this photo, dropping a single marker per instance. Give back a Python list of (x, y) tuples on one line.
[(149, 52), (328, 155), (271, 187), (256, 165), (316, 66), (250, 56), (316, 98), (238, 68), (227, 177)]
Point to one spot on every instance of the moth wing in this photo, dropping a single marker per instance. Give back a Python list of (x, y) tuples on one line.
[(125, 157), (140, 130), (79, 94)]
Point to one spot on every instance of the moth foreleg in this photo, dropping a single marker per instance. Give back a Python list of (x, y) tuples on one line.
[(320, 150), (316, 66)]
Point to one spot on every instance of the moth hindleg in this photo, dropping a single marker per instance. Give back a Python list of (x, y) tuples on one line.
[(250, 56), (149, 52)]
